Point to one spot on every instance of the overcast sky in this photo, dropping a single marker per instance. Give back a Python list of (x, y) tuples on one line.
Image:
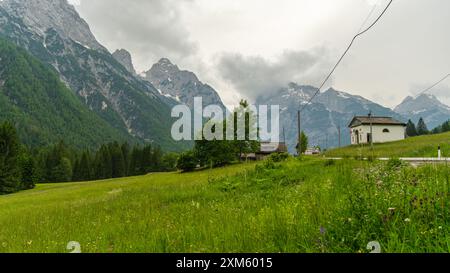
[(247, 48)]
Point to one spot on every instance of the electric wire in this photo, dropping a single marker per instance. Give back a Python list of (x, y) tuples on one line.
[(433, 86), (344, 54)]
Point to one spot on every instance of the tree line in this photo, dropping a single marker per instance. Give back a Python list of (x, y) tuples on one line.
[(21, 167), (422, 129), (17, 168), (445, 127)]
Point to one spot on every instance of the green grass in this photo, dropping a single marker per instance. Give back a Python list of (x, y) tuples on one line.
[(312, 205), (423, 146)]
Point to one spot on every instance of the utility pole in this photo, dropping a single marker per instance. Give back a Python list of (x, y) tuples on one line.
[(299, 134), (339, 130), (371, 130)]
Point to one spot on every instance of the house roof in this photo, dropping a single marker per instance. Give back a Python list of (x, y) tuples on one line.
[(366, 120), (272, 147)]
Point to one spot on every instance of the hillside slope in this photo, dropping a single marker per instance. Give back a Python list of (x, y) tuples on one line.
[(53, 32), (129, 209), (306, 206), (44, 110), (422, 146)]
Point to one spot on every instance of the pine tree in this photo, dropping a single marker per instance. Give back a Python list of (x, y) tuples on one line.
[(422, 128), (58, 164), (9, 153), (156, 162), (103, 163), (135, 161), (76, 171), (117, 160), (29, 172), (446, 127), (85, 169), (411, 130), (63, 172), (146, 159), (126, 156)]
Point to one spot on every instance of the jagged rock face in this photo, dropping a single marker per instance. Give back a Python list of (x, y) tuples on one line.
[(323, 117), (180, 85), (102, 83), (294, 95), (40, 15), (124, 58), (424, 106)]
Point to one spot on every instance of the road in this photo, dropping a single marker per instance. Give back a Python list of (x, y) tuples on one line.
[(413, 160)]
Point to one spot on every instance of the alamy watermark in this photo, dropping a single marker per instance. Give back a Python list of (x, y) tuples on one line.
[(247, 122)]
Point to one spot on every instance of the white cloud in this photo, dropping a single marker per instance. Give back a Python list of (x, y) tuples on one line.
[(257, 77), (407, 47), (148, 29)]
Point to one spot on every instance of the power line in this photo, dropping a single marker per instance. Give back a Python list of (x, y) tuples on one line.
[(368, 17), (434, 85), (345, 53)]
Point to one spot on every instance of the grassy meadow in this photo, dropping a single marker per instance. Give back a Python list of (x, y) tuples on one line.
[(312, 205), (422, 146)]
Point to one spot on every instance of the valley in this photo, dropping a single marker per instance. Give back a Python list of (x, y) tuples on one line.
[(312, 205)]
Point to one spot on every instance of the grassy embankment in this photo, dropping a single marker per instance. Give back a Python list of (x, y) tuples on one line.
[(423, 146)]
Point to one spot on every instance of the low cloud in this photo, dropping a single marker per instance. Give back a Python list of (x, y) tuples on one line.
[(442, 91), (148, 29), (255, 76)]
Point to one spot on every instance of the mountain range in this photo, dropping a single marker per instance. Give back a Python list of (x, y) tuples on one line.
[(321, 120), (332, 110), (54, 33), (58, 82)]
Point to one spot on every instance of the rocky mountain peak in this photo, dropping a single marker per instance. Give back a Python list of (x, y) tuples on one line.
[(407, 99), (181, 85), (165, 62), (429, 97), (59, 15), (426, 106), (124, 58), (421, 101), (164, 67)]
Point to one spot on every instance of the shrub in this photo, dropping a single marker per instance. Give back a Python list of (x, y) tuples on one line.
[(394, 163), (269, 164), (187, 162), (330, 162), (279, 157), (169, 162)]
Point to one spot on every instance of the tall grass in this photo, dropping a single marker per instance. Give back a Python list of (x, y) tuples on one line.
[(296, 206)]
